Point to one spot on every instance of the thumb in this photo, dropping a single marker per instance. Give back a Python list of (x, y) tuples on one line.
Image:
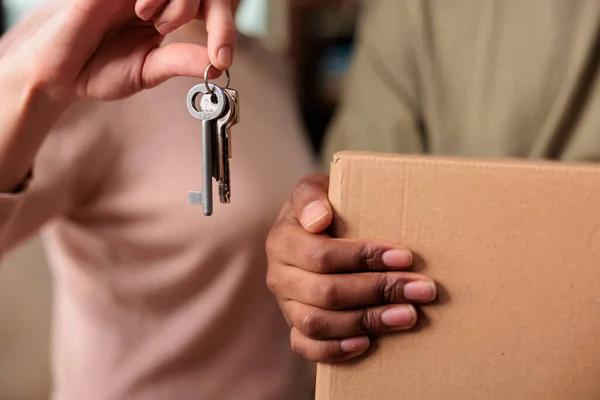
[(311, 204), (174, 60)]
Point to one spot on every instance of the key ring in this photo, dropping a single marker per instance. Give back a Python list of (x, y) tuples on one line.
[(206, 71)]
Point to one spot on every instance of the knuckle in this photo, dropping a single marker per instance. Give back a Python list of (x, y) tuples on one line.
[(367, 321), (45, 77), (297, 347), (228, 29), (277, 243), (319, 257), (328, 294), (272, 282), (389, 290), (370, 256), (272, 243), (313, 325)]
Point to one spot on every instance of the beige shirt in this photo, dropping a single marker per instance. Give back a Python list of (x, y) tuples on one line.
[(152, 299), (494, 78)]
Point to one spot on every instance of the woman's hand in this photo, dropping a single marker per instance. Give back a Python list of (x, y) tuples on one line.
[(108, 50), (70, 50)]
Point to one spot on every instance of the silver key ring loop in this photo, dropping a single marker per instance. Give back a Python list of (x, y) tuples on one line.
[(218, 105), (206, 71)]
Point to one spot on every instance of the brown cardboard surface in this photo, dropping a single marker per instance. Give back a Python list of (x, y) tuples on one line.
[(515, 247)]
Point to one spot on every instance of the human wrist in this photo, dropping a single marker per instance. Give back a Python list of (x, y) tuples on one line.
[(27, 116), (25, 80)]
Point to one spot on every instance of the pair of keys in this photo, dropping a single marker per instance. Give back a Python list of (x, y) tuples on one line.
[(219, 111)]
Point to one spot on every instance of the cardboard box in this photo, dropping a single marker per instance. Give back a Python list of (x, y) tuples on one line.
[(515, 247)]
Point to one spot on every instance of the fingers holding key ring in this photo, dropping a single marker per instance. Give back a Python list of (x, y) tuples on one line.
[(206, 71)]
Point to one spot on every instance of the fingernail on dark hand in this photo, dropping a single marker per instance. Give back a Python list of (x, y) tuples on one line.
[(225, 56), (397, 258), (399, 317), (313, 213), (355, 345), (420, 291)]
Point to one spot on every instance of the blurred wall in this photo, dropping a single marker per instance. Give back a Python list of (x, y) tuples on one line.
[(25, 302)]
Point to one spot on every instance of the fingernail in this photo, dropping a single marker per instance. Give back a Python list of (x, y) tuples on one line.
[(355, 345), (224, 56), (313, 213), (165, 28), (420, 291), (399, 317), (397, 258), (148, 13)]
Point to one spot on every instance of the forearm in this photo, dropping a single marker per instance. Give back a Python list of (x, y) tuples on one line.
[(26, 116)]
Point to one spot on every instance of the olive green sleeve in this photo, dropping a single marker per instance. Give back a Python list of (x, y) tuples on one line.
[(379, 105)]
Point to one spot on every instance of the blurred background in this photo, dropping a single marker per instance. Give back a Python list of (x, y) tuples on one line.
[(315, 36)]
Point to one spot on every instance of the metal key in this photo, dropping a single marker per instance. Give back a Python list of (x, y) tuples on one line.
[(221, 154), (213, 106), (234, 98), (225, 125)]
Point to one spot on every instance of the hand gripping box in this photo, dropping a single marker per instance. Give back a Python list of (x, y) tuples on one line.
[(515, 248)]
